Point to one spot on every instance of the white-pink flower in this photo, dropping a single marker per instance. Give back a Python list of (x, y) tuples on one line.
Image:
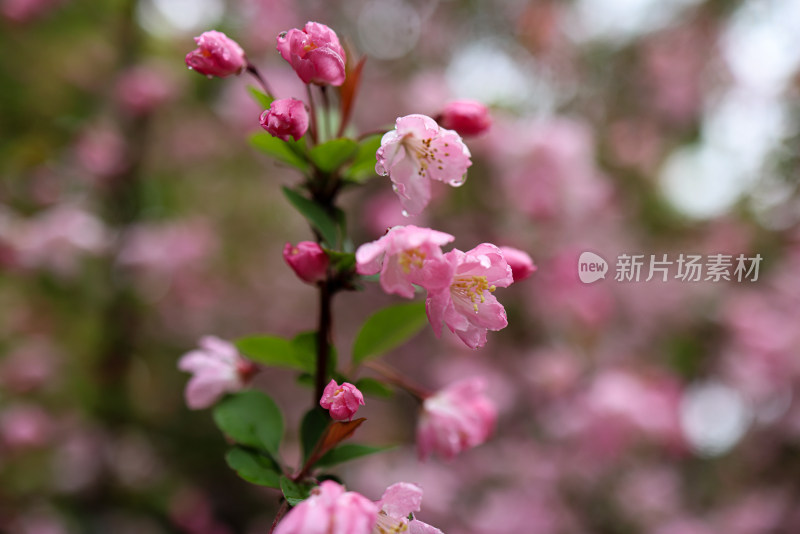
[(217, 368), (456, 418), (466, 304), (417, 151), (342, 401), (398, 502), (406, 255), (330, 510)]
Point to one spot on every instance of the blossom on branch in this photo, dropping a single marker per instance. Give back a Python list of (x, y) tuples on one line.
[(342, 401), (454, 419), (467, 304), (417, 151), (217, 368), (308, 261), (330, 510), (406, 255), (397, 504), (286, 118), (467, 117), (314, 53), (216, 55)]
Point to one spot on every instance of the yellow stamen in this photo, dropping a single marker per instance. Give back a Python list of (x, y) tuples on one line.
[(472, 287)]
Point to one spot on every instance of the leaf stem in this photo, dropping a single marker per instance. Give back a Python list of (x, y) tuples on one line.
[(313, 113), (393, 376), (261, 80), (324, 327)]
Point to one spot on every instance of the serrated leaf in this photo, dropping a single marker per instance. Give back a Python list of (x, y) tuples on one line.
[(347, 452), (317, 216), (331, 155), (387, 329), (253, 467), (374, 387), (251, 418), (314, 423), (261, 98), (272, 350), (295, 492), (363, 165), (281, 150)]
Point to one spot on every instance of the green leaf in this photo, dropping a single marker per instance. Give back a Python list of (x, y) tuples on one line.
[(341, 261), (388, 329), (305, 349), (331, 155), (288, 152), (314, 423), (251, 418), (271, 350), (317, 216), (295, 492), (254, 468), (363, 166), (371, 386), (347, 452), (261, 98)]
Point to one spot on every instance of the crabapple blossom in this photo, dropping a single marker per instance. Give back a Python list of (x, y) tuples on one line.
[(307, 260), (285, 118), (314, 53), (217, 368), (417, 151), (342, 401), (455, 418), (406, 255), (330, 510), (467, 117), (466, 303), (397, 503), (216, 55), (521, 264)]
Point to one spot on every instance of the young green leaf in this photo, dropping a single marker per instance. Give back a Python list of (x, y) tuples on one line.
[(314, 423), (251, 418), (387, 329), (346, 452), (317, 216), (280, 150), (272, 350), (295, 492), (373, 387), (305, 349), (254, 468), (261, 98), (363, 165), (331, 155)]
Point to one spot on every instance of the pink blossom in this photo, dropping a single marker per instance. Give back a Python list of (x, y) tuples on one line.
[(218, 369), (307, 260), (342, 401), (467, 117), (416, 152), (25, 426), (398, 502), (285, 118), (330, 510), (520, 262), (406, 255), (456, 418), (466, 304), (216, 55), (314, 53), (143, 88)]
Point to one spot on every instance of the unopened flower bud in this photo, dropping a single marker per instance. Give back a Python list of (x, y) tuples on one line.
[(216, 55), (467, 117), (314, 53), (285, 118), (342, 401), (307, 260), (520, 262)]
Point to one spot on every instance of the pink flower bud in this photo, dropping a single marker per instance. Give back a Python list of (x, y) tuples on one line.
[(467, 117), (342, 401), (285, 118), (454, 419), (307, 260), (520, 262), (216, 55), (314, 53), (331, 510)]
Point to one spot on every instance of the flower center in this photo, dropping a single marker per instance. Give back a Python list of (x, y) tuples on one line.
[(472, 288), (389, 525), (425, 155), (411, 258)]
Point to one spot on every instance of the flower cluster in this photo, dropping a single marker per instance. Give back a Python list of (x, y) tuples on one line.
[(460, 285)]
